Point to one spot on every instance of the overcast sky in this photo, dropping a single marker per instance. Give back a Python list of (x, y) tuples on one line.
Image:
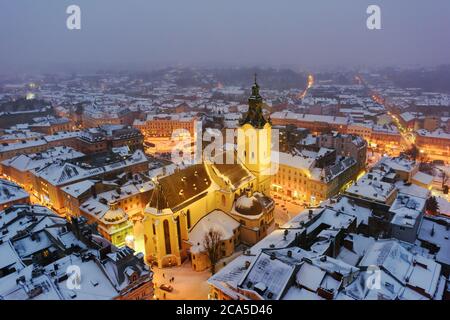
[(151, 33)]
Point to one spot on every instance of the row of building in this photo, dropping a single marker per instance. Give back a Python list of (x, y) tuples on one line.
[(372, 242), (46, 257), (381, 137), (99, 139), (318, 167)]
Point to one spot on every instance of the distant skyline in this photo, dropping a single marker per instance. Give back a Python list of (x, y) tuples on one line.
[(146, 34)]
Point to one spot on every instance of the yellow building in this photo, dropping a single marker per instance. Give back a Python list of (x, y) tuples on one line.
[(179, 201), (299, 179), (255, 142)]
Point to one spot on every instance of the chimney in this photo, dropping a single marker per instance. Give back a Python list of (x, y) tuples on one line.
[(93, 191)]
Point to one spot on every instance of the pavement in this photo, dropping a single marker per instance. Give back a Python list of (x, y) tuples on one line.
[(192, 285), (285, 211), (187, 285)]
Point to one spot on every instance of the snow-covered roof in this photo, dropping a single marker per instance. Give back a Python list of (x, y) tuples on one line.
[(22, 145), (439, 133), (423, 178), (77, 189), (444, 206), (404, 267), (217, 220), (407, 209), (64, 173), (310, 117), (298, 162), (310, 276), (41, 229), (333, 219), (27, 162), (349, 207), (10, 191), (435, 231), (370, 186), (412, 189), (398, 163)]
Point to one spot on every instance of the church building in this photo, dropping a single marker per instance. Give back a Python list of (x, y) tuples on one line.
[(232, 198)]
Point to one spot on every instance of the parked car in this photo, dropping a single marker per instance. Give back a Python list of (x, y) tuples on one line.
[(439, 162), (166, 287)]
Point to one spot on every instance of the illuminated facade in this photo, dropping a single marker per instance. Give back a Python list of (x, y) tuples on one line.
[(158, 131), (299, 179), (434, 145), (179, 201)]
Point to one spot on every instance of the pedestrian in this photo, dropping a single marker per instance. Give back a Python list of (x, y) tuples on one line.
[(164, 276)]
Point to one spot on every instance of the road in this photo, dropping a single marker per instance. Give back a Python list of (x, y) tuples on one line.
[(407, 135)]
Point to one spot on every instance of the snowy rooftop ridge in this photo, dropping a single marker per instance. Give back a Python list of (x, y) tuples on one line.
[(10, 191)]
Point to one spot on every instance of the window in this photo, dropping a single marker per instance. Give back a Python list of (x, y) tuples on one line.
[(188, 219), (224, 200), (178, 232), (167, 237)]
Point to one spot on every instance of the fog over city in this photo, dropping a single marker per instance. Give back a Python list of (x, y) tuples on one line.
[(141, 34)]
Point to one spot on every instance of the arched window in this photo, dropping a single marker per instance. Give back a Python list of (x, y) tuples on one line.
[(224, 200), (167, 237), (178, 232), (188, 219)]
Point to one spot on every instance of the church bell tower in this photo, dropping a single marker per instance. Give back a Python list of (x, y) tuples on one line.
[(254, 141)]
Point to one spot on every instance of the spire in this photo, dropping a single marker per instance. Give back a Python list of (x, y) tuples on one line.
[(255, 115), (255, 90)]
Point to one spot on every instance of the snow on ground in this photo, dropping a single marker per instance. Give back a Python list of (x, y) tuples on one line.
[(285, 211), (188, 284)]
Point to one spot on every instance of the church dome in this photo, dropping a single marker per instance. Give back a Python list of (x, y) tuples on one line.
[(114, 215), (249, 206)]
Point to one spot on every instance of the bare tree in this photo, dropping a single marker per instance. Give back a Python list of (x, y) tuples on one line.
[(211, 243)]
